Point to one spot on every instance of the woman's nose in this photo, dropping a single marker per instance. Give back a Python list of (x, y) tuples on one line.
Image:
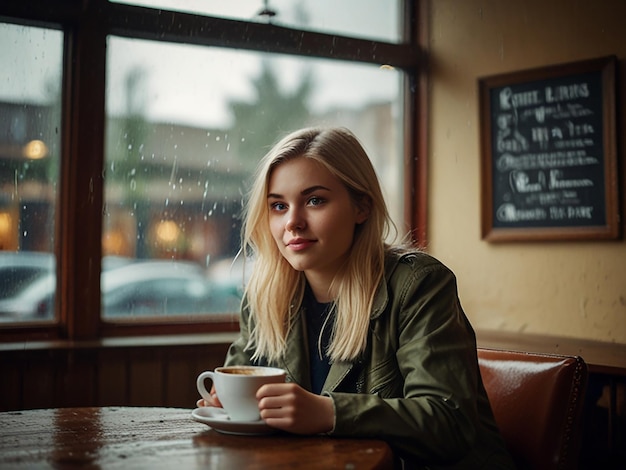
[(295, 222)]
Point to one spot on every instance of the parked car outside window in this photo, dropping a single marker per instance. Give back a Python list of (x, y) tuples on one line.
[(19, 269), (130, 289)]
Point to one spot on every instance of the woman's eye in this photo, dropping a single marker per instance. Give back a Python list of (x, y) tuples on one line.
[(316, 201), (277, 206)]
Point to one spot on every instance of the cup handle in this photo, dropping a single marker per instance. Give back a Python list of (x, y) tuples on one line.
[(200, 384)]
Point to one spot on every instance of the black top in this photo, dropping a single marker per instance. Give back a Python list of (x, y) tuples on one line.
[(316, 314)]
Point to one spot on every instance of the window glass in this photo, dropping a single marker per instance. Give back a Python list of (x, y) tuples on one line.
[(152, 288), (368, 19), (30, 124), (186, 126)]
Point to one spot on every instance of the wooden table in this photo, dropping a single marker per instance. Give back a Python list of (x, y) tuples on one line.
[(165, 438)]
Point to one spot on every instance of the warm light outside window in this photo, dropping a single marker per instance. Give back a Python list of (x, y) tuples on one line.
[(30, 123), (186, 126)]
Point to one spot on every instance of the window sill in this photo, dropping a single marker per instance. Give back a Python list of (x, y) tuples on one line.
[(125, 342)]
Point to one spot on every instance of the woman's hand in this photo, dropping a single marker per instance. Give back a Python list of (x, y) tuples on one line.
[(213, 402), (289, 407)]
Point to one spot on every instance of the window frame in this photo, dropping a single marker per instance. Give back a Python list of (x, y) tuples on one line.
[(78, 224)]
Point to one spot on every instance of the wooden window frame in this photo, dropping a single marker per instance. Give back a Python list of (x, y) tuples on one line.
[(78, 226)]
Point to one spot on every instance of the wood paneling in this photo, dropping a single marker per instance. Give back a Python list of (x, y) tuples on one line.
[(98, 375), (112, 383)]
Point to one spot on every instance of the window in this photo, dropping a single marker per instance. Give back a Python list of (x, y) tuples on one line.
[(181, 145), (165, 115), (30, 122)]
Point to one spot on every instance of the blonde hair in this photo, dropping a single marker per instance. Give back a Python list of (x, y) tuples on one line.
[(274, 291)]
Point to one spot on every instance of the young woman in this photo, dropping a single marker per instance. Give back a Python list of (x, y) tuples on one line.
[(373, 338)]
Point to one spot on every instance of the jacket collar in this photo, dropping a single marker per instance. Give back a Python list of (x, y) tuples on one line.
[(382, 295)]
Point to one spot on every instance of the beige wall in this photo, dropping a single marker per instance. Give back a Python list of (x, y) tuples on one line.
[(574, 289)]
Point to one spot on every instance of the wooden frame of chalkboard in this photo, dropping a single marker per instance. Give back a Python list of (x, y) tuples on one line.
[(549, 153)]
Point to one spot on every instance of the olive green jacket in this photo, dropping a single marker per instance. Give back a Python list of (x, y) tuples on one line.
[(418, 384)]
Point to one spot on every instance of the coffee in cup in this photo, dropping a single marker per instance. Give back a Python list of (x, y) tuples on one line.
[(236, 388)]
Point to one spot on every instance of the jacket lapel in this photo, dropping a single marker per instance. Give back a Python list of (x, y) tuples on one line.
[(296, 359), (339, 370)]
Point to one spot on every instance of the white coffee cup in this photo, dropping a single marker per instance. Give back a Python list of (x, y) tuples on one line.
[(236, 388)]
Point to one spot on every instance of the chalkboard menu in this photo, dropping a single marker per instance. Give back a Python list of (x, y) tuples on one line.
[(549, 153)]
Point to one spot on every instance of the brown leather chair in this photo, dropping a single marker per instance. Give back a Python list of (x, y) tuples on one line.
[(537, 400)]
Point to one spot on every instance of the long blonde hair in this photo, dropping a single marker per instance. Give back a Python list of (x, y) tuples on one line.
[(274, 291)]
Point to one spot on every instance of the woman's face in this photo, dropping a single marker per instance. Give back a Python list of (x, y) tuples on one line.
[(312, 217)]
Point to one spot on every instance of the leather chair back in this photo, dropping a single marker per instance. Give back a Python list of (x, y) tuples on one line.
[(537, 400)]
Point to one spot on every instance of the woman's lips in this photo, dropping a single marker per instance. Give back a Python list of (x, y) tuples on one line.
[(298, 244)]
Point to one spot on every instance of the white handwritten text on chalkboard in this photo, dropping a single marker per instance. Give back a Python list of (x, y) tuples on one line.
[(547, 152)]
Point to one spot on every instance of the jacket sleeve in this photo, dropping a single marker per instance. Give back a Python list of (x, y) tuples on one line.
[(421, 394)]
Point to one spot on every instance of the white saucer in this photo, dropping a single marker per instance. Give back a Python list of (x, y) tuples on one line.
[(219, 420)]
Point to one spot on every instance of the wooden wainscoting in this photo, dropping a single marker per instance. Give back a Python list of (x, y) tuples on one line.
[(124, 371)]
